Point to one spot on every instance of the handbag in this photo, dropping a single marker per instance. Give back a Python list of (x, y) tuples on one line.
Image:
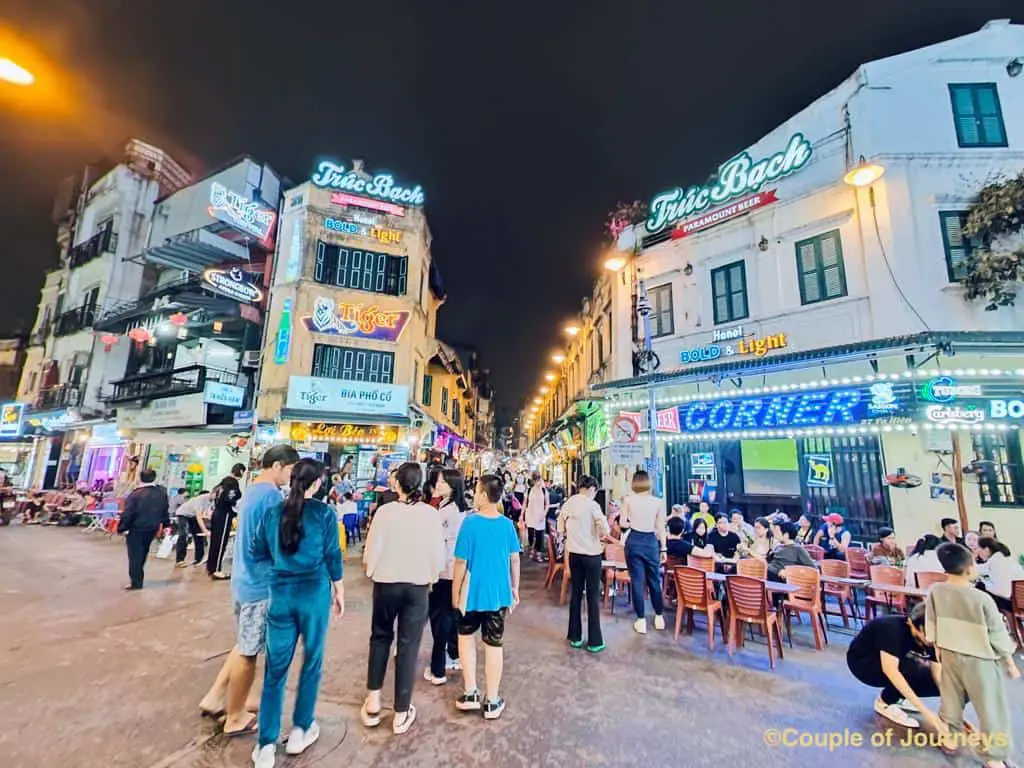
[(166, 546)]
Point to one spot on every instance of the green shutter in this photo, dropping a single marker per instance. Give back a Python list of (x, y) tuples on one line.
[(809, 290), (820, 268), (977, 115), (956, 246)]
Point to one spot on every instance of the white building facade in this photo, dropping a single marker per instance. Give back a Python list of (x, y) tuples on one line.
[(779, 280)]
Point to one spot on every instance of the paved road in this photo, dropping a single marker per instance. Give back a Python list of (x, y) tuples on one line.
[(93, 677)]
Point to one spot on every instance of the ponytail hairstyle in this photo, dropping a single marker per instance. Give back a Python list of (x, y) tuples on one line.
[(458, 485), (304, 474), (410, 482)]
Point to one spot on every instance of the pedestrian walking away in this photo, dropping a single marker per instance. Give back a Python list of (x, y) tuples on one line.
[(585, 528), (485, 589), (535, 517), (299, 540), (190, 525), (225, 495), (232, 692), (646, 548), (443, 617), (404, 555), (145, 512)]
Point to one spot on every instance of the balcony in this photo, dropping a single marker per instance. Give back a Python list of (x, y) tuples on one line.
[(74, 320), (92, 248), (189, 380), (61, 396)]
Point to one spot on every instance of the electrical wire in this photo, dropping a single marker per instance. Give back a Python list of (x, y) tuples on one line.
[(888, 266)]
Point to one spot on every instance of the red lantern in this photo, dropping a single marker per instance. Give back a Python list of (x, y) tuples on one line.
[(179, 319), (140, 336), (109, 340)]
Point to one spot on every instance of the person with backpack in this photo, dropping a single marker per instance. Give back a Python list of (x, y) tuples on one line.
[(225, 495)]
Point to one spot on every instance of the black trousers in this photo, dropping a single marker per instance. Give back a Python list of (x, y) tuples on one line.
[(189, 526), (138, 543), (444, 625), (535, 539), (585, 577), (406, 604), (220, 534), (918, 674)]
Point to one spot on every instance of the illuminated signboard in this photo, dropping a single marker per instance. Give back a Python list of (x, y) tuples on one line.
[(345, 227), (758, 347), (380, 186), (814, 408), (343, 198), (234, 283), (356, 320), (306, 393), (723, 214), (283, 342), (737, 177), (945, 389), (247, 215), (11, 415), (351, 432)]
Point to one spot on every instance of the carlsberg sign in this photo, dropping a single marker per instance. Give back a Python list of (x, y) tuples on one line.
[(736, 177)]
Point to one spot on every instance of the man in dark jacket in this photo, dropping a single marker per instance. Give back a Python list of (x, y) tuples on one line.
[(226, 495), (145, 510)]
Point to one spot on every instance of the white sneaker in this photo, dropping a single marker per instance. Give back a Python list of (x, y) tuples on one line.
[(301, 740), (403, 723), (906, 706), (453, 664), (894, 714), (640, 625), (429, 677), (659, 622), (370, 719), (264, 757)]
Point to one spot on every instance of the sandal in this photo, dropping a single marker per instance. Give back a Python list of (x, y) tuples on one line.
[(213, 714), (250, 728), (370, 719)]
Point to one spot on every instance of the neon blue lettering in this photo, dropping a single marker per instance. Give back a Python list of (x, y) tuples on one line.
[(695, 416), (840, 407), (777, 413), (808, 411), (718, 420), (746, 413)]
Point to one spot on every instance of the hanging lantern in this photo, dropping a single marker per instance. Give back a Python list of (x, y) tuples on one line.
[(218, 326), (108, 340), (140, 336), (179, 319)]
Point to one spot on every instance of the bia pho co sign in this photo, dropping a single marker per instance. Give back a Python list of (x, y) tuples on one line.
[(736, 177), (382, 186)]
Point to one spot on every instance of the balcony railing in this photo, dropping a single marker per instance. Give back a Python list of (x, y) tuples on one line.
[(62, 396), (74, 320), (178, 381), (92, 248)]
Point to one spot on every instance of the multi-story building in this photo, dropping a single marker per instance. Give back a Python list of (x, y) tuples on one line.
[(352, 320), (184, 348), (817, 353), (448, 396), (103, 219)]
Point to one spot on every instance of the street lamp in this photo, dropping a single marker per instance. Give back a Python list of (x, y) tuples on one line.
[(864, 174), (549, 377), (558, 358), (572, 329), (15, 74), (615, 263)]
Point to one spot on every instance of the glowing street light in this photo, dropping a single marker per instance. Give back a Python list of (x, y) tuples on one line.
[(864, 174), (558, 357), (615, 263), (543, 390), (572, 329), (537, 400), (549, 377), (14, 74)]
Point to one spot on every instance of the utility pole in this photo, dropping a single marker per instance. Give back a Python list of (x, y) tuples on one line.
[(643, 306)]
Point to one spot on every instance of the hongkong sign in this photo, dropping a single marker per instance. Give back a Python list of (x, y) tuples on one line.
[(313, 393), (234, 283), (356, 320), (739, 177)]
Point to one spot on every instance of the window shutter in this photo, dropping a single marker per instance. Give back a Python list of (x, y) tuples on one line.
[(957, 250), (809, 273), (830, 267)]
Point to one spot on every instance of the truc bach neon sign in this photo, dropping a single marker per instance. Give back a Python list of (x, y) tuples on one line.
[(381, 186), (737, 177)]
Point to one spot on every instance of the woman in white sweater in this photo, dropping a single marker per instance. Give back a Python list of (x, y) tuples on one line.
[(404, 555), (998, 571)]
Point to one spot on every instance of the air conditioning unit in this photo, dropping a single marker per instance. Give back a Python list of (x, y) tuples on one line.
[(251, 358)]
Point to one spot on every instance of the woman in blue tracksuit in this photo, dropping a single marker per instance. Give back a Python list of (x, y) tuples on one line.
[(300, 539)]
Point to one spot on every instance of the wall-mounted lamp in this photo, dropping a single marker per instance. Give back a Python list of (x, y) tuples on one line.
[(864, 174)]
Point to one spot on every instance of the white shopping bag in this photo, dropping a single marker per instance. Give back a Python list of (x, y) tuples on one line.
[(166, 546)]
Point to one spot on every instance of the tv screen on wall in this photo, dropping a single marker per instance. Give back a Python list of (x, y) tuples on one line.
[(770, 467)]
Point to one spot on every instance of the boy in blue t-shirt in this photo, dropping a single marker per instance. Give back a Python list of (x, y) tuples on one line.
[(484, 590)]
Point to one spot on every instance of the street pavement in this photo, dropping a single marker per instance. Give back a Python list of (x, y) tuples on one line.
[(95, 677)]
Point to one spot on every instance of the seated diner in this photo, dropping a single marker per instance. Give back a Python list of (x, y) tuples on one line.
[(722, 540)]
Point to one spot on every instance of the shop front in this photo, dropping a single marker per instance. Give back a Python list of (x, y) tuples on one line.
[(15, 450)]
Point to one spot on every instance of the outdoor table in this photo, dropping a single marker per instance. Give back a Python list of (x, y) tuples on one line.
[(771, 586), (898, 589)]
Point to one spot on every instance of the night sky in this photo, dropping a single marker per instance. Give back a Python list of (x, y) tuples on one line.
[(524, 126)]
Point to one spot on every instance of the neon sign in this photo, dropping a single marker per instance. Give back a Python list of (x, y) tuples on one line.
[(283, 342), (955, 414), (345, 227), (945, 389), (233, 283), (343, 198), (725, 213), (11, 415), (356, 320), (736, 177), (753, 346), (247, 215), (381, 186)]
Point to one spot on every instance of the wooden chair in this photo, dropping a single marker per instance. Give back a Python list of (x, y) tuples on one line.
[(613, 577), (817, 553), (554, 568), (860, 568), (748, 603), (668, 583), (885, 574), (807, 600), (843, 593), (925, 579), (1015, 617), (754, 567), (694, 591), (701, 563)]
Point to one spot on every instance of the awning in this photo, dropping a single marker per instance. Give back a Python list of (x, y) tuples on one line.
[(193, 256)]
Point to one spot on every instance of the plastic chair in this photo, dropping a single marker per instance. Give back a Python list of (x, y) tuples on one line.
[(885, 574), (554, 568), (615, 553), (694, 592), (701, 563), (668, 583), (843, 593), (748, 603), (817, 553), (1016, 616), (806, 600), (754, 567), (925, 579), (860, 568)]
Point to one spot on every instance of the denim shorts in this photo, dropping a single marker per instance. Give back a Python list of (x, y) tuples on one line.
[(490, 623), (251, 621)]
